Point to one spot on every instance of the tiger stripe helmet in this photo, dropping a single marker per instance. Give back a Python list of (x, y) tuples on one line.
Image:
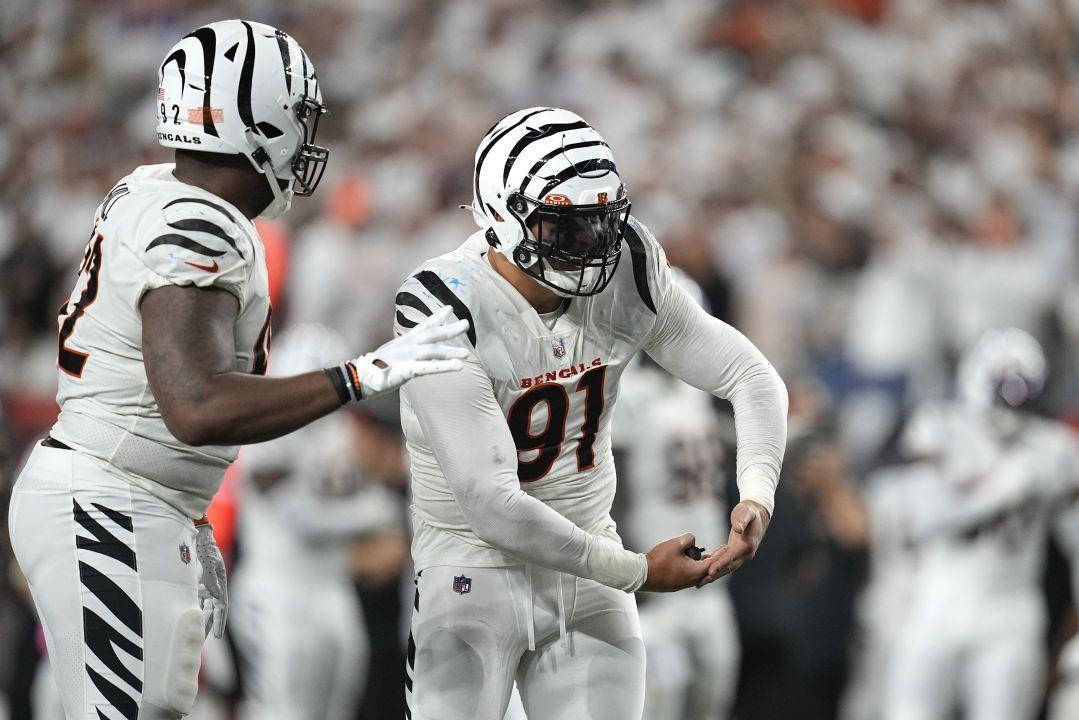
[(548, 194), (242, 87)]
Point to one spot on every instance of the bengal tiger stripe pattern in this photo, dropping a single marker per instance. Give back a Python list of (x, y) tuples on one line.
[(111, 609)]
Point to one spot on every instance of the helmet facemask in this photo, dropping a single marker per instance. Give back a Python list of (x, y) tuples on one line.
[(309, 164), (572, 249)]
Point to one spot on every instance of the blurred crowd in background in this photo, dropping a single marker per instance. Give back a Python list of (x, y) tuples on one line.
[(861, 186)]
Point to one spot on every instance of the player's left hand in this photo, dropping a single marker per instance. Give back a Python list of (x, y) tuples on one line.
[(213, 590), (423, 350), (749, 522)]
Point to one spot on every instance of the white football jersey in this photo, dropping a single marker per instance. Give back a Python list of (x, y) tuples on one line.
[(672, 474), (556, 379), (152, 230), (988, 536), (895, 497)]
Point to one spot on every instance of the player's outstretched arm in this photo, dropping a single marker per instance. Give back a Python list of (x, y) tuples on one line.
[(711, 355), (189, 351), (475, 450)]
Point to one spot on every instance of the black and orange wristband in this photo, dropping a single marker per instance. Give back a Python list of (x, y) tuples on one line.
[(346, 380)]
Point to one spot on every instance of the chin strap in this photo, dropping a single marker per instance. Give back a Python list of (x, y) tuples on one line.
[(477, 215), (282, 199)]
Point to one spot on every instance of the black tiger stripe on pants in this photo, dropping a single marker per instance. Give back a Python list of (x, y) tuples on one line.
[(114, 577)]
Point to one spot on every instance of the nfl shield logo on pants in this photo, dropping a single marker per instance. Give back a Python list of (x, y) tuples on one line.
[(185, 553), (462, 584), (559, 347)]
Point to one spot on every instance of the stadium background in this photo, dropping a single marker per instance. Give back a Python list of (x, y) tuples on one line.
[(861, 186)]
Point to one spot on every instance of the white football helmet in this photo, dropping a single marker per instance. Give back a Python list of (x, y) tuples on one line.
[(241, 87), (548, 194), (1005, 363)]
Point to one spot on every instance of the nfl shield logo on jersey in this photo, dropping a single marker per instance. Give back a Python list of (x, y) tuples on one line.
[(462, 584), (559, 347), (185, 553)]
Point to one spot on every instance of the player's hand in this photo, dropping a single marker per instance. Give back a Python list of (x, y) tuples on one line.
[(749, 521), (670, 569), (213, 590), (420, 351)]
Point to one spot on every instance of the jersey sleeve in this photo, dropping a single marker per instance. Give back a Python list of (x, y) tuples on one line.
[(425, 292), (710, 355), (651, 270), (193, 242)]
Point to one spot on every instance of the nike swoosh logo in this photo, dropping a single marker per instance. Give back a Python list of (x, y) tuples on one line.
[(208, 268)]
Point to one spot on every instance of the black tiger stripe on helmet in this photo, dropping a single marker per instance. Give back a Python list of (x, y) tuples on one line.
[(243, 87), (486, 145), (542, 162), (208, 41)]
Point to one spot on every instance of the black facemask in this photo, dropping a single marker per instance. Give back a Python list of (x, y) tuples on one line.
[(573, 249), (310, 161)]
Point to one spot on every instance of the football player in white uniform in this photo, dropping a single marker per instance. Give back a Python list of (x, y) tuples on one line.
[(302, 502), (161, 352), (894, 497), (669, 457), (521, 574), (974, 635)]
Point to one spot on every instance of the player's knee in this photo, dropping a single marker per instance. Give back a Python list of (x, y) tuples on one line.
[(172, 693), (451, 673)]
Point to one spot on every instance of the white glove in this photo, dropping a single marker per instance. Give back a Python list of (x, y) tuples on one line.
[(212, 584), (420, 351)]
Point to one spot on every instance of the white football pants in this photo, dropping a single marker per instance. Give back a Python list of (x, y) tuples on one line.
[(114, 574), (302, 643), (988, 660), (472, 629)]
